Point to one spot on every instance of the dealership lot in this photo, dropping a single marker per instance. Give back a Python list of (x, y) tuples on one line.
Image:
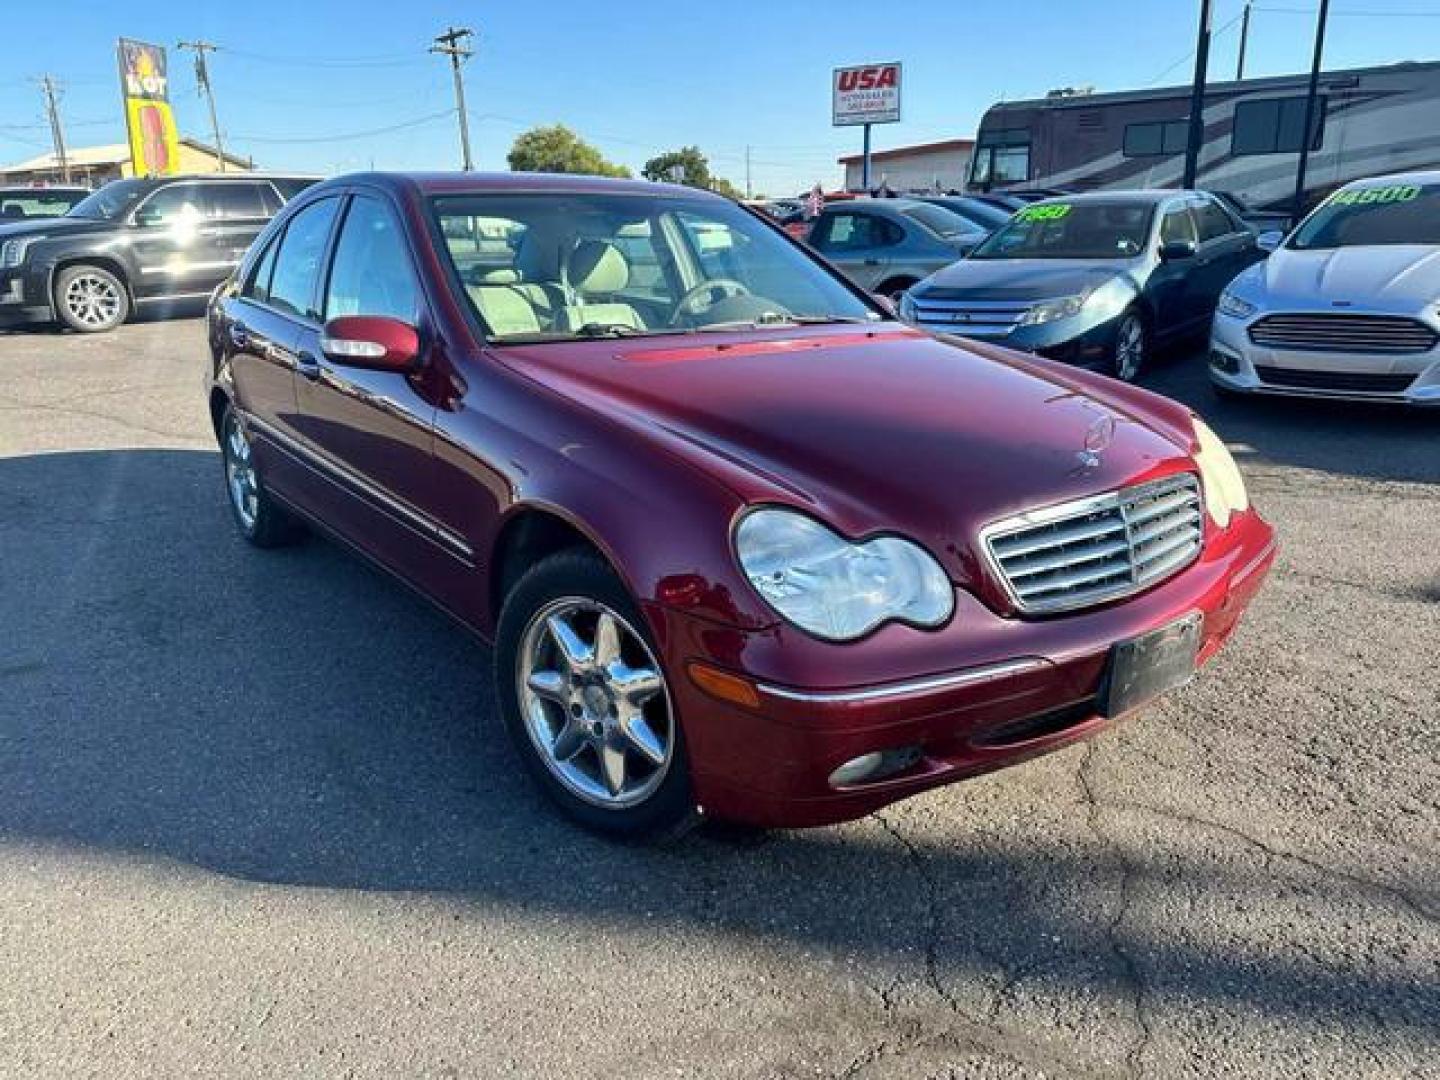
[(256, 813)]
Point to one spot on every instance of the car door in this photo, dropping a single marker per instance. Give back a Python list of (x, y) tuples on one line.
[(370, 431), (1172, 285), (260, 333), (176, 248), (1227, 246), (856, 242), (236, 211)]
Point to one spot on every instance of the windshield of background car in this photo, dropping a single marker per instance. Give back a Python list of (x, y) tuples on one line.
[(940, 221), (36, 203), (562, 266), (1374, 214), (1099, 229), (112, 201)]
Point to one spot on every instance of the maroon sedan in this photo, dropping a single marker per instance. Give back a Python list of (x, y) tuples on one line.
[(745, 545)]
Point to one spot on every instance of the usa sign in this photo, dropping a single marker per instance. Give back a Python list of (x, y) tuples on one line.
[(866, 94)]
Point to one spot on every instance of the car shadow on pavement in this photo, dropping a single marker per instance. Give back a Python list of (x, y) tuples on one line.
[(295, 717)]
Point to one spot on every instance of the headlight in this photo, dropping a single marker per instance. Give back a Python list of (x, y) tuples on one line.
[(1224, 486), (1232, 305), (907, 307), (835, 589), (12, 252), (1050, 310)]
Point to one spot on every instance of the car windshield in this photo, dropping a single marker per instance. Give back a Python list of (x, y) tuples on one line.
[(565, 266), (1088, 229), (112, 201), (21, 203), (1373, 214)]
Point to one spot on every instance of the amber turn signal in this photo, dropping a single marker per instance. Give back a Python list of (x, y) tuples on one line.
[(723, 685)]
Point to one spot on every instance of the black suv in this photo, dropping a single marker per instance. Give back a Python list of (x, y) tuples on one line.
[(134, 242)]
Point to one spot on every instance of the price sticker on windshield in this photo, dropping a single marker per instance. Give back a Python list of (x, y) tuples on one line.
[(1376, 196), (1045, 212)]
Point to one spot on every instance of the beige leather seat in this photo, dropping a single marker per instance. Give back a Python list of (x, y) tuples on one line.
[(518, 300), (594, 273)]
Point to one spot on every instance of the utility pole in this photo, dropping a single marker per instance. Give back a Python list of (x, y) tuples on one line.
[(1244, 39), (453, 43), (51, 89), (1306, 138), (749, 192), (202, 78), (1197, 98)]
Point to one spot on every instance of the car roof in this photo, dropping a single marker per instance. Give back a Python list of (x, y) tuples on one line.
[(476, 183), (1138, 195)]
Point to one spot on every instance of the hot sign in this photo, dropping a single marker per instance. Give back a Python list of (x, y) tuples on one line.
[(867, 94)]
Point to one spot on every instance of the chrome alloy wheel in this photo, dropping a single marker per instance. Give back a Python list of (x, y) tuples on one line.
[(594, 702), (240, 476), (93, 299), (1129, 348)]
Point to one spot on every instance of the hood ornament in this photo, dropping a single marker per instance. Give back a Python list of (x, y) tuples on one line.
[(1098, 437)]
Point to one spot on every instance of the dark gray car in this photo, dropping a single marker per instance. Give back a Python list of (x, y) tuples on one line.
[(886, 245)]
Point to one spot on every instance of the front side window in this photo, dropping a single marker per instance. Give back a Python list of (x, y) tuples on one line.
[(1272, 126), (111, 202), (1177, 227), (371, 274), (1212, 222), (173, 205), (298, 260), (1095, 229), (1377, 213), (583, 265)]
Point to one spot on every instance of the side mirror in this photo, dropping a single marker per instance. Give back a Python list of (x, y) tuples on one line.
[(1270, 240), (146, 219), (370, 341), (1172, 250)]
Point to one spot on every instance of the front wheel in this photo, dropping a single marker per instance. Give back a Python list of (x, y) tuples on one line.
[(1132, 346), (586, 702), (90, 299)]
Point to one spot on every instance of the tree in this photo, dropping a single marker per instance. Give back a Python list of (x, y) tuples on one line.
[(557, 149), (690, 167)]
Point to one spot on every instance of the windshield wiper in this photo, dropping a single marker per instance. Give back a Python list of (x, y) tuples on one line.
[(773, 320), (607, 329)]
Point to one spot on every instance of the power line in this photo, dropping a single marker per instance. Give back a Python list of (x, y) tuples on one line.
[(431, 118), (387, 60), (454, 43), (1353, 13), (202, 78)]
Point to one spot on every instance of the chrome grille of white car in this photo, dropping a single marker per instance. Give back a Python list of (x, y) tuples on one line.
[(1098, 549), (981, 318), (1333, 331)]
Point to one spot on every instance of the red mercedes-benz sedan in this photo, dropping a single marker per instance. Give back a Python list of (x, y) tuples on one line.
[(745, 545)]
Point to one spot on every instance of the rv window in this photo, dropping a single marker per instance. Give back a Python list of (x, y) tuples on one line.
[(1011, 165), (1272, 126), (1157, 137)]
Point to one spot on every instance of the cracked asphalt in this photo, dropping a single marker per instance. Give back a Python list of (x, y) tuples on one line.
[(257, 817)]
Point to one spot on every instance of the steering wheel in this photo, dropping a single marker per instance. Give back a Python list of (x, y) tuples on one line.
[(715, 290)]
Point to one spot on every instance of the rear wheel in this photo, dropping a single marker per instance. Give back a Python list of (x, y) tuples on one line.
[(586, 702), (261, 522), (1132, 347), (90, 299)]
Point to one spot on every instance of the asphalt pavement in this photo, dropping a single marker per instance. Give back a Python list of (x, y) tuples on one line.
[(257, 816)]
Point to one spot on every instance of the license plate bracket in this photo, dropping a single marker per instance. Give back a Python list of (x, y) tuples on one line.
[(1145, 667)]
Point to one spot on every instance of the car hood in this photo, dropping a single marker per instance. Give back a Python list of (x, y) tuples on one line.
[(873, 429), (1404, 276), (56, 226), (1021, 279)]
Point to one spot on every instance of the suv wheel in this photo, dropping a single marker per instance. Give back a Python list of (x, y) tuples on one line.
[(586, 702), (90, 299)]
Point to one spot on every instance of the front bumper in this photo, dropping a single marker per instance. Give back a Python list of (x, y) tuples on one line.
[(1238, 364), (24, 300), (983, 692), (1080, 340)]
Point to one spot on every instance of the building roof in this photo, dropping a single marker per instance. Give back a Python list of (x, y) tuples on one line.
[(907, 151), (82, 157)]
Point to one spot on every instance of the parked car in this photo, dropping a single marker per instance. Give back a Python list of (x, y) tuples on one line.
[(741, 541), (132, 243), (37, 201), (1260, 221), (999, 199), (1347, 306), (985, 216), (1094, 280), (886, 245)]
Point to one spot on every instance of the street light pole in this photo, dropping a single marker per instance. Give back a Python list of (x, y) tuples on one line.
[(451, 44), (50, 89), (1297, 206), (1244, 40), (1197, 99)]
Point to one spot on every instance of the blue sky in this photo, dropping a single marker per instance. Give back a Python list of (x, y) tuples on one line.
[(636, 77)]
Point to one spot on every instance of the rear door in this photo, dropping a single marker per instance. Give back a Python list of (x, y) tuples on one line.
[(1226, 244), (236, 211), (858, 243)]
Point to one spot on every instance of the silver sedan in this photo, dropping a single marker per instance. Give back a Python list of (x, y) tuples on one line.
[(886, 245)]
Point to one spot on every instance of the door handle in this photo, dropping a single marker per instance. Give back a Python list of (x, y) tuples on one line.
[(239, 335), (307, 365)]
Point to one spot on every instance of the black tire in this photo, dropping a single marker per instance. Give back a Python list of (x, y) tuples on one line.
[(1127, 366), (668, 811), (267, 525), (895, 288), (90, 299)]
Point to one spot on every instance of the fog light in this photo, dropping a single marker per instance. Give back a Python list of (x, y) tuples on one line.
[(875, 765), (1222, 361)]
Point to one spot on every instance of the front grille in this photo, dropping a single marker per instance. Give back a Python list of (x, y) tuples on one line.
[(1344, 332), (1348, 382), (1094, 550), (980, 318)]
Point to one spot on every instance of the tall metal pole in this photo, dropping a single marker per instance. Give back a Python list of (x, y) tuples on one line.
[(865, 162), (1298, 204), (57, 133), (1244, 40), (202, 76), (451, 44), (1197, 99), (749, 191)]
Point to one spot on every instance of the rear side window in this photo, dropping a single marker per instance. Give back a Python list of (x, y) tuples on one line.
[(1213, 222), (371, 274), (234, 200), (290, 186), (297, 263), (257, 285), (1177, 224)]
